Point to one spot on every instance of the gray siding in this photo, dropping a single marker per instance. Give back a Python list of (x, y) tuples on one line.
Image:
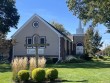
[(43, 30)]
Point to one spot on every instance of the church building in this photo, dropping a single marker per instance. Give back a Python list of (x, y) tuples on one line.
[(37, 31)]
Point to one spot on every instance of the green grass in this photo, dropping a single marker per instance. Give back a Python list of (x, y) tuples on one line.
[(5, 73), (85, 73), (88, 72)]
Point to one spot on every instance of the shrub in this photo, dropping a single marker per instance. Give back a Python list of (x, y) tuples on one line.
[(51, 74), (101, 57), (76, 61), (55, 60), (17, 65), (72, 59), (23, 75), (49, 61), (38, 74), (87, 57)]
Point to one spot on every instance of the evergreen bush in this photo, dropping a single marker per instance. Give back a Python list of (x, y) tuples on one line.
[(23, 75), (52, 74), (38, 74)]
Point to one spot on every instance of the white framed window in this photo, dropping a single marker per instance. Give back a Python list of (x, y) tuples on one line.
[(34, 40), (42, 41), (29, 41)]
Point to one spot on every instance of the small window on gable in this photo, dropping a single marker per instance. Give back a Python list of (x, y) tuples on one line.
[(42, 41), (29, 41)]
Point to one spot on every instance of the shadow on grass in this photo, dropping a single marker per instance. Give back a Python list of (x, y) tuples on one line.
[(85, 81), (90, 64), (5, 68)]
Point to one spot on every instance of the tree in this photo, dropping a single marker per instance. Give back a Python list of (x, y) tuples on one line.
[(106, 51), (60, 27), (96, 11), (92, 41), (4, 44), (8, 15)]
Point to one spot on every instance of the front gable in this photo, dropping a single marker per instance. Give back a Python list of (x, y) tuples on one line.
[(28, 27), (43, 30)]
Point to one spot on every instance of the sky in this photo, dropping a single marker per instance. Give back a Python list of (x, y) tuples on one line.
[(53, 10)]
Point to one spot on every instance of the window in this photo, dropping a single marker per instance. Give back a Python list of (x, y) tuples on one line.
[(34, 40), (79, 44), (42, 41), (35, 24), (29, 41)]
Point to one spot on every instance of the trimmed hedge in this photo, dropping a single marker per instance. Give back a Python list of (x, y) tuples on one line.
[(52, 74), (38, 74), (23, 75)]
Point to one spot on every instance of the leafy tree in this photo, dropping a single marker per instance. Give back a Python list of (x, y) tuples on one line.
[(4, 44), (96, 11), (60, 27), (8, 15), (92, 41), (106, 51)]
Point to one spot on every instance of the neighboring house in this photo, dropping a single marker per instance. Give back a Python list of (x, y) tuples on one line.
[(37, 30), (100, 53)]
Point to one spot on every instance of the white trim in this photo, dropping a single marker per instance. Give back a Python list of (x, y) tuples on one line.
[(35, 15), (23, 26), (33, 39)]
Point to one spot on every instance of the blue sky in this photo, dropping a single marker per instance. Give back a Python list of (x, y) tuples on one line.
[(53, 10)]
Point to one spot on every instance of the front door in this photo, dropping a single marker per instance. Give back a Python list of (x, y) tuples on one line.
[(79, 48)]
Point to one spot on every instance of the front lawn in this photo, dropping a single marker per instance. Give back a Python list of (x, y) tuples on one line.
[(5, 73), (88, 72)]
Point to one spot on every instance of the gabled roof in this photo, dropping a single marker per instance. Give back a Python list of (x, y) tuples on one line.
[(57, 29), (22, 26), (47, 23)]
